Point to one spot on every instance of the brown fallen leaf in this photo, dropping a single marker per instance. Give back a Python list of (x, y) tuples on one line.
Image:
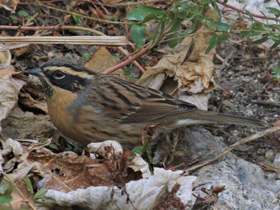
[(189, 66), (102, 59)]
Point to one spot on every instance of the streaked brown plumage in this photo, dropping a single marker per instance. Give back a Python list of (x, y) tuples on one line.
[(89, 107)]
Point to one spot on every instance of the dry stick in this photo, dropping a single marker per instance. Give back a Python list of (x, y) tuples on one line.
[(96, 40), (129, 60), (38, 28), (245, 13), (133, 3), (232, 147)]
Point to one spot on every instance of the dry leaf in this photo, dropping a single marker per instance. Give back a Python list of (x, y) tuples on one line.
[(9, 5), (9, 87), (25, 51), (140, 194), (193, 76), (102, 59)]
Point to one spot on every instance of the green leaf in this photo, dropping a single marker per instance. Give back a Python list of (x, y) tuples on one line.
[(42, 139), (184, 5), (138, 35), (22, 13), (212, 43), (137, 150), (3, 188), (149, 18), (223, 37), (205, 1), (5, 199), (266, 1), (176, 26), (274, 11), (216, 8), (261, 40), (42, 203), (13, 17), (76, 19), (136, 14), (141, 12), (250, 33), (195, 11), (274, 45), (250, 15), (190, 30), (153, 10), (86, 57), (29, 185), (53, 146), (277, 70), (220, 25), (42, 192)]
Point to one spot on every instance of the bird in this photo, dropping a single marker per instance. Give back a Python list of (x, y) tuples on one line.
[(88, 106)]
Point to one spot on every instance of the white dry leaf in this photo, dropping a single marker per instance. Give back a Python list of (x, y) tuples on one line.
[(9, 5), (9, 90), (143, 193), (11, 146), (139, 164), (100, 148), (1, 164)]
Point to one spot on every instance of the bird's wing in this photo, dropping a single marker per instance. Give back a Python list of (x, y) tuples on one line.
[(133, 103)]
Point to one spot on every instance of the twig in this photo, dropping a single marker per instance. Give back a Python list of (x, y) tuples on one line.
[(59, 27), (232, 147), (266, 103), (84, 16), (129, 60), (134, 3), (243, 12), (90, 40)]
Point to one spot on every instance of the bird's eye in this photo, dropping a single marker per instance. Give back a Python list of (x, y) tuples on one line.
[(58, 74)]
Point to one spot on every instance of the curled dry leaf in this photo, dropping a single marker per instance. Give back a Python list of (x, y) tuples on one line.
[(100, 148), (193, 75), (10, 5), (102, 59), (9, 87), (143, 193)]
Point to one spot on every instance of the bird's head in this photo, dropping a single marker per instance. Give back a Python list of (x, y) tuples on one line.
[(60, 76)]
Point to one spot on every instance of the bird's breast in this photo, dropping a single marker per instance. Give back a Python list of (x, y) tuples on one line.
[(59, 114)]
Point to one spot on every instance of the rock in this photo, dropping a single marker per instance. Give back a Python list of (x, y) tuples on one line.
[(269, 155), (245, 185)]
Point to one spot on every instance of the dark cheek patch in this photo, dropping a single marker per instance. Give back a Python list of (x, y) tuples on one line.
[(72, 83)]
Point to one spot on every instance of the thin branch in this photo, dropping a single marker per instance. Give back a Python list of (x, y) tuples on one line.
[(84, 16), (90, 40), (59, 27), (245, 13), (134, 3), (129, 60), (232, 147)]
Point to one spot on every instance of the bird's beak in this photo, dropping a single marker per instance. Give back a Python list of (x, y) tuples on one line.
[(35, 72)]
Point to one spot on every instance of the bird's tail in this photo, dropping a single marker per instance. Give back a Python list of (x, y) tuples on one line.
[(205, 117)]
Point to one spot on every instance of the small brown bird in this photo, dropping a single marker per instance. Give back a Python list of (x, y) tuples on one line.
[(89, 107)]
